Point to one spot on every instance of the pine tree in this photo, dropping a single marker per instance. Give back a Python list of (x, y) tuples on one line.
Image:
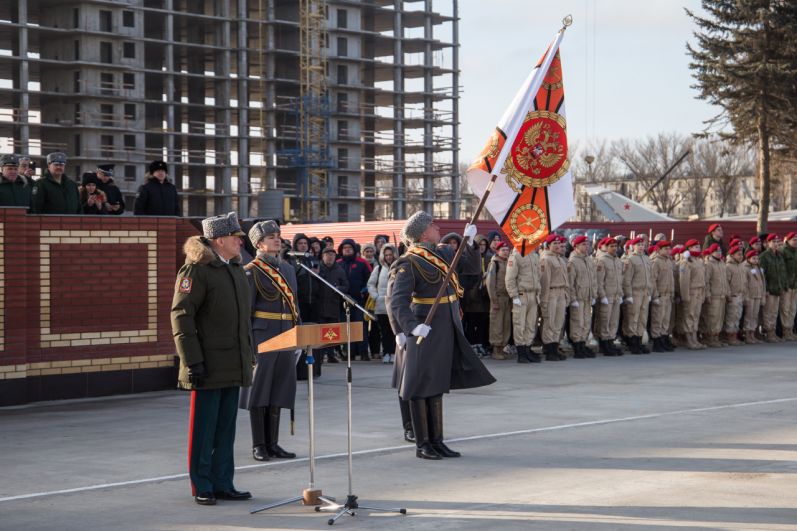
[(745, 62)]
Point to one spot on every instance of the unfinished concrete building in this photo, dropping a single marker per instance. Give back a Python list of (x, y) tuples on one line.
[(307, 110)]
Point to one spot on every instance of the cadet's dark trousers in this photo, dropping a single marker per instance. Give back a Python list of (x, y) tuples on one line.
[(211, 434)]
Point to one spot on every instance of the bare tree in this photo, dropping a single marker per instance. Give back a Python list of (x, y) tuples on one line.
[(735, 161), (603, 165), (648, 160)]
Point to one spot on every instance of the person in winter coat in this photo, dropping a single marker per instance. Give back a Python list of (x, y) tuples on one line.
[(358, 271), (92, 199), (773, 267), (115, 202), (377, 290), (274, 311), (326, 301), (788, 299), (14, 187), (157, 196), (55, 192), (500, 303), (476, 303), (210, 319), (305, 282)]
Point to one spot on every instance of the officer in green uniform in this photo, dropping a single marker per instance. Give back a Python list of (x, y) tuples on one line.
[(774, 269), (55, 192), (210, 317), (14, 188)]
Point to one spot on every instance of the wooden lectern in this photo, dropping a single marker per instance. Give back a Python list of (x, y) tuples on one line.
[(309, 337), (312, 336)]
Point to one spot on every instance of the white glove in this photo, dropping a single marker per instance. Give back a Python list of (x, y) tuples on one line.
[(604, 301), (592, 303), (421, 330), (656, 301), (517, 302), (629, 300), (575, 304), (469, 233), (401, 340), (686, 254)]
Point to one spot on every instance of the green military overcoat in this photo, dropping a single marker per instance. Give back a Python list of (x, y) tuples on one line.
[(210, 316)]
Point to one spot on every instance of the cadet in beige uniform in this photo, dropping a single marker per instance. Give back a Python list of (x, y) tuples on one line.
[(609, 274), (737, 290), (692, 286), (500, 305), (716, 295), (583, 291), (755, 293), (637, 288), (663, 293), (523, 285), (554, 288)]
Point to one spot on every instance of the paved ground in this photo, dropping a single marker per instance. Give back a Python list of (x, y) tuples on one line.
[(703, 440)]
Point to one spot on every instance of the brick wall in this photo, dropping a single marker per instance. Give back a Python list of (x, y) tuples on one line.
[(84, 304)]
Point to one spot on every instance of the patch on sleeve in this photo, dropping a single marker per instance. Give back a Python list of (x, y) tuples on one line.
[(185, 285), (510, 263)]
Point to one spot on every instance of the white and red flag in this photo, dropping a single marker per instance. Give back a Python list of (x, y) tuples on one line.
[(527, 156)]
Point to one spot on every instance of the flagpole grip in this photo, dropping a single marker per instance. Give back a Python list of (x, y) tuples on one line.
[(453, 265)]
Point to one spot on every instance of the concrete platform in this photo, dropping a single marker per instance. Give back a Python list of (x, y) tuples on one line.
[(684, 440)]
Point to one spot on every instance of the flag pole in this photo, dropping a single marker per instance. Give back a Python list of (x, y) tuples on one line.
[(454, 262), (566, 22)]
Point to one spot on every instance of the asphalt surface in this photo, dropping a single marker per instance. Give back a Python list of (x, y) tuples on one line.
[(684, 440)]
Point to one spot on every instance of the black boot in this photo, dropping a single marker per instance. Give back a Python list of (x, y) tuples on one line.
[(603, 348), (435, 405), (614, 348), (406, 420), (658, 344), (588, 351), (643, 348), (532, 356), (257, 419), (272, 447), (578, 351), (522, 354), (549, 349), (633, 346), (420, 425), (666, 342)]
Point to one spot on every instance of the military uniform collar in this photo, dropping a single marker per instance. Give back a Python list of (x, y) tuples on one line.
[(270, 259)]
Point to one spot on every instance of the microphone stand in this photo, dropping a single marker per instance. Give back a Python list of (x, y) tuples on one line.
[(352, 505)]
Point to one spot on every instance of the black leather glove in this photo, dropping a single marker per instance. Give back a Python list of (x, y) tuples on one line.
[(196, 374)]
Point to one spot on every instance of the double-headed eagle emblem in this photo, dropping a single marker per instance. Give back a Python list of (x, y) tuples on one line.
[(539, 154)]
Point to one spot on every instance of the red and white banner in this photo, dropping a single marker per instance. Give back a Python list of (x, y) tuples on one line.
[(527, 152)]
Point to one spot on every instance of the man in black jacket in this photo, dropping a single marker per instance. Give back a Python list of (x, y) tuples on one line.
[(326, 301), (157, 196), (304, 280), (115, 203)]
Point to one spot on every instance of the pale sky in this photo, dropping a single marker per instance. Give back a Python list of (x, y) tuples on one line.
[(632, 83)]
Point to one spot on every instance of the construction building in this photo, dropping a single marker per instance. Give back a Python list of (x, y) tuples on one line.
[(307, 110)]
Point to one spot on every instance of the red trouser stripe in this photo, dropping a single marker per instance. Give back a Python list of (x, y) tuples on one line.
[(191, 438)]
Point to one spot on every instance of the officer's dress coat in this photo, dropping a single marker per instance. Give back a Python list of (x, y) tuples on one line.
[(274, 380), (445, 359)]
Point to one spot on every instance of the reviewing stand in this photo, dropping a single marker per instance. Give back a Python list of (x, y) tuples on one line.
[(308, 337)]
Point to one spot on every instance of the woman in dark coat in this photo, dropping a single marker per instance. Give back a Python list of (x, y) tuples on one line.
[(274, 311)]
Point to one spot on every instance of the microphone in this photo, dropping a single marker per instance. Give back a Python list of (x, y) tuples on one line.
[(299, 254)]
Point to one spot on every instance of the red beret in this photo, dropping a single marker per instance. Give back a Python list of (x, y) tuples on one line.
[(691, 243), (735, 249), (501, 245), (713, 248), (678, 249), (754, 239), (734, 242), (579, 239), (790, 235), (772, 236), (552, 237), (713, 227), (609, 241), (751, 253), (652, 249), (634, 241), (602, 242), (562, 239), (663, 243)]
